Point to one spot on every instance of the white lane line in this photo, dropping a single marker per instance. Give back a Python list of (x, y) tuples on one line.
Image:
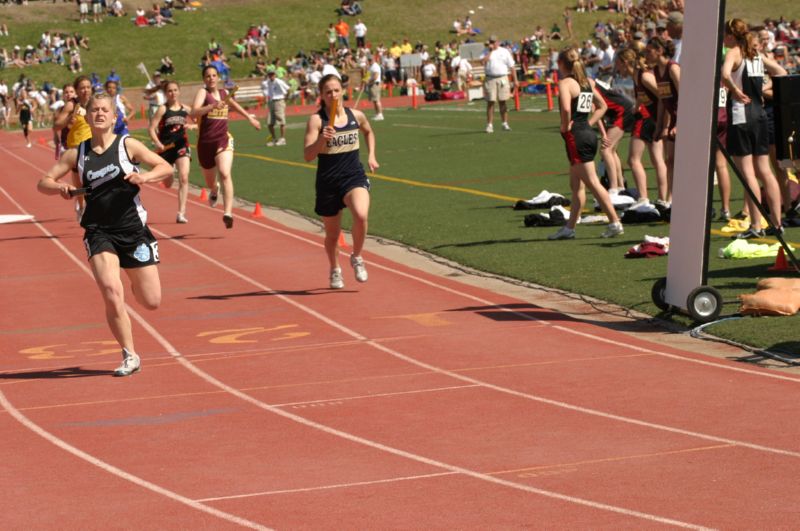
[(394, 353), (321, 427), (376, 395), (107, 467), (474, 298), (327, 487)]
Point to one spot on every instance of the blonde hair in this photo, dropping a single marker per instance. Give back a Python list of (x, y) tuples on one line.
[(632, 58), (99, 96), (571, 59), (741, 32)]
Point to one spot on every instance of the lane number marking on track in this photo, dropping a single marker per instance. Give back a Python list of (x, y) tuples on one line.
[(237, 335)]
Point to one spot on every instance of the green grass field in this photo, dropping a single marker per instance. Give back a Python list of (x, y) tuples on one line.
[(446, 187)]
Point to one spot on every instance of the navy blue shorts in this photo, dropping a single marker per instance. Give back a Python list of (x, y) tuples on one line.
[(330, 195), (134, 248)]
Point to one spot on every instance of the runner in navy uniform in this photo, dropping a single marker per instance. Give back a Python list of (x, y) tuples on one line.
[(116, 235), (748, 143), (341, 181), (581, 108), (168, 132)]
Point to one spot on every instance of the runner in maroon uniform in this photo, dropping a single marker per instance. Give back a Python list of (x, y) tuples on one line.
[(215, 143), (668, 78)]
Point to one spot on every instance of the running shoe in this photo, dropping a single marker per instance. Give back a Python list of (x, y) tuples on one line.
[(213, 196), (337, 280), (749, 234), (725, 215), (227, 219), (378, 117), (506, 127), (271, 143), (181, 218), (564, 233), (614, 229), (489, 128), (773, 231), (130, 364), (359, 268), (281, 142)]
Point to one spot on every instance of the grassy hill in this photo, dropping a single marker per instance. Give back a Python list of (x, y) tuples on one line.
[(295, 24)]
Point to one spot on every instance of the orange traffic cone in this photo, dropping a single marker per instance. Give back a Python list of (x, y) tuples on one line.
[(781, 264), (342, 241), (42, 140), (257, 212), (203, 196)]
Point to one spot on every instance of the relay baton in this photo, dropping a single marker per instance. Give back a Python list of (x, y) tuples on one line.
[(79, 191), (334, 110)]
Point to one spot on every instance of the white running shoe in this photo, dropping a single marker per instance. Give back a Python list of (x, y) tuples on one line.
[(378, 117), (181, 218), (359, 268), (337, 280), (489, 128), (281, 142), (130, 364), (506, 127), (614, 229), (564, 233), (271, 143)]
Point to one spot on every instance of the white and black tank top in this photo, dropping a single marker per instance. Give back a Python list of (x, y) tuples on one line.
[(749, 77), (112, 204)]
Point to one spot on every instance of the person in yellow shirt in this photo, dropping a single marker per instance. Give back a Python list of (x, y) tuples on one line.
[(72, 118), (406, 47), (395, 51)]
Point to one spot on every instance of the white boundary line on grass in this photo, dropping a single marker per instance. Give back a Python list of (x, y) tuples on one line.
[(299, 419)]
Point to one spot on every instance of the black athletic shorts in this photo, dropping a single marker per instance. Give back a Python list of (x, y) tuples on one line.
[(770, 112), (581, 144), (749, 139), (644, 129), (174, 153), (135, 248), (330, 196)]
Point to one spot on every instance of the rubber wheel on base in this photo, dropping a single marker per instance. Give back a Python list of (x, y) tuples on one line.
[(658, 294), (704, 304)]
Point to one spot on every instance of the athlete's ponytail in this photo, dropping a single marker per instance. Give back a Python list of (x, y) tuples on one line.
[(571, 59), (744, 39)]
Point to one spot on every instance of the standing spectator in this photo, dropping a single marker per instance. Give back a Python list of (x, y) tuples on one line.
[(568, 22), (154, 94), (97, 10), (343, 33), (463, 70), (374, 87), (675, 32), (83, 10), (275, 91), (499, 64), (360, 31), (330, 34)]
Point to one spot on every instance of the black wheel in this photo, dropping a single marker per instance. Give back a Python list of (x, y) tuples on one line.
[(704, 304), (658, 294)]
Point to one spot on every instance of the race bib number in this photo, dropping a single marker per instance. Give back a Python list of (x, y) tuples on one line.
[(154, 251), (585, 102), (723, 97)]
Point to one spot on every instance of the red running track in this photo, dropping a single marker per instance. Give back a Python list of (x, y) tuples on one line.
[(409, 402)]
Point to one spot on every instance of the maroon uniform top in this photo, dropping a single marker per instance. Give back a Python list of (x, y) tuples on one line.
[(646, 99), (668, 92), (214, 125)]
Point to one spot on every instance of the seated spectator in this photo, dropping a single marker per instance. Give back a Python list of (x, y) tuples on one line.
[(259, 69), (116, 9), (166, 15), (80, 40), (240, 49), (166, 66), (350, 8), (555, 32), (156, 19), (141, 19)]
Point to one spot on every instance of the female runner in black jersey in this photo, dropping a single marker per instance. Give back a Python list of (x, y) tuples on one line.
[(116, 234), (341, 181), (747, 134), (168, 132), (582, 107)]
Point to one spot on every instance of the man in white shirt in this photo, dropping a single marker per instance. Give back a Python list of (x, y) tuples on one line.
[(275, 91), (360, 31), (463, 69), (374, 87), (154, 94), (499, 64), (605, 68)]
